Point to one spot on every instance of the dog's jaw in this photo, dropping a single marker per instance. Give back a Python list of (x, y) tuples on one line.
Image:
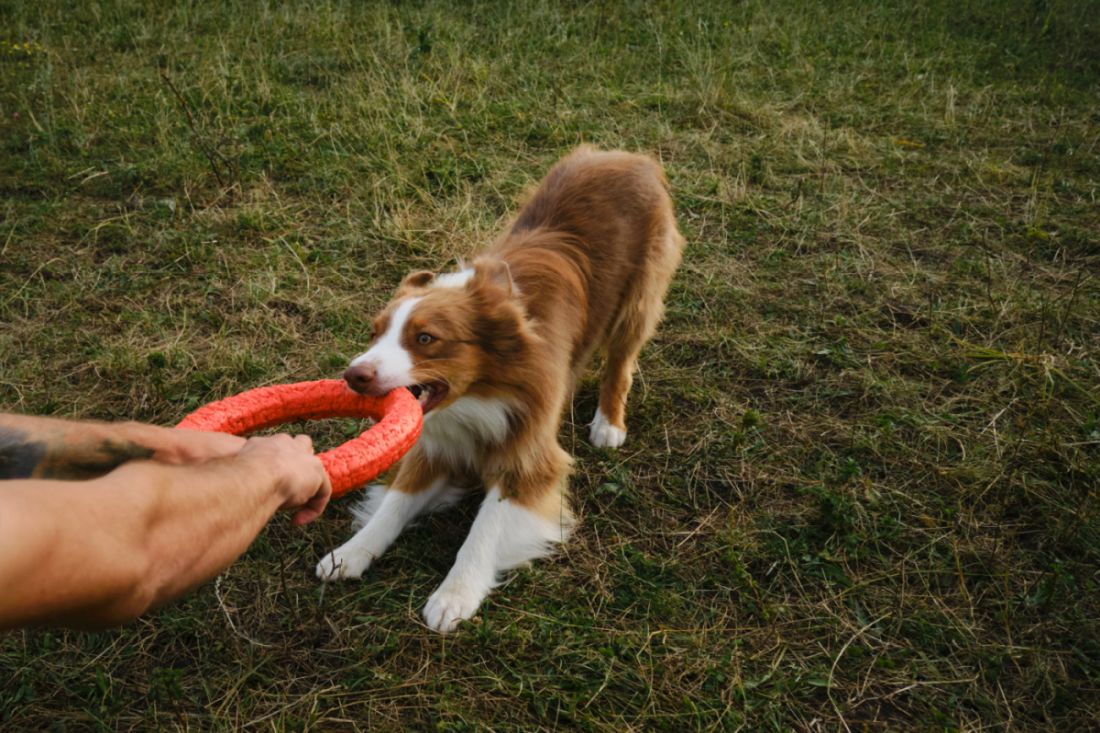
[(429, 394)]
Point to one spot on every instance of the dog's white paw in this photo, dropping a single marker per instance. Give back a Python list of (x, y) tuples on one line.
[(603, 434), (451, 604), (344, 563)]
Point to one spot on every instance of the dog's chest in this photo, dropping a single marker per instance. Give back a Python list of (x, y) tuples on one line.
[(457, 433)]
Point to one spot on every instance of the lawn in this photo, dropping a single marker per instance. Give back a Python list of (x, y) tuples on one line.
[(860, 487)]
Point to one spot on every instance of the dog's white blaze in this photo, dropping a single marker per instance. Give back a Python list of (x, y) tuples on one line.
[(504, 535), (453, 279), (392, 362), (455, 433)]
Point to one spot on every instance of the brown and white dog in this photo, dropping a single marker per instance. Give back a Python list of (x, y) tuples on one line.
[(492, 352)]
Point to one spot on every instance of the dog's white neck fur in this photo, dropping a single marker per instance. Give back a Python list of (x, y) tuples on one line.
[(388, 356), (456, 432)]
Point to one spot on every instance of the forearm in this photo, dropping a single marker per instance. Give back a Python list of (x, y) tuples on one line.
[(201, 520), (40, 447), (101, 552)]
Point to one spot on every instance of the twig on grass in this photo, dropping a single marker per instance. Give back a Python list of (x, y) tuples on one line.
[(229, 619), (211, 154), (836, 661)]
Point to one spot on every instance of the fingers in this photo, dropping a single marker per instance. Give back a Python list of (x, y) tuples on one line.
[(315, 507), (307, 514), (300, 475), (304, 516)]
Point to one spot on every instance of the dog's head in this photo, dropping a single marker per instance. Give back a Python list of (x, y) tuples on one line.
[(442, 336)]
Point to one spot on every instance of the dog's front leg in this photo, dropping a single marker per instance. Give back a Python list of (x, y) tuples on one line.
[(388, 515), (505, 534)]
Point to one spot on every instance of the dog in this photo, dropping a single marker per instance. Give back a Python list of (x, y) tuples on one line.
[(492, 352)]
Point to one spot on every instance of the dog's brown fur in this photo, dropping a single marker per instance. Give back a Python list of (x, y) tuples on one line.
[(492, 353), (584, 266)]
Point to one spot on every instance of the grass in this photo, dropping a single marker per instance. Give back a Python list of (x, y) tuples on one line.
[(860, 490)]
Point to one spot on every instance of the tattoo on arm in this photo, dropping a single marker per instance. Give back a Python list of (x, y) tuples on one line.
[(18, 454), (62, 456)]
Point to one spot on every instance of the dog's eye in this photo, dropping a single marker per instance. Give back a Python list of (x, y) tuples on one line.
[(424, 339)]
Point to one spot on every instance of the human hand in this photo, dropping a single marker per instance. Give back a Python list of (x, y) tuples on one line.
[(299, 475)]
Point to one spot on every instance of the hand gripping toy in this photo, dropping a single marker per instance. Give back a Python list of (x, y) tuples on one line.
[(398, 414)]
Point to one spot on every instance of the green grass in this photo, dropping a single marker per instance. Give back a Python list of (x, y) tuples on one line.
[(860, 490)]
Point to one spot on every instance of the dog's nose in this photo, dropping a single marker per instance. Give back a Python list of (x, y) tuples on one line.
[(360, 377)]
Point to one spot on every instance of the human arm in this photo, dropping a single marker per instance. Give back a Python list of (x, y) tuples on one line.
[(51, 448), (100, 552)]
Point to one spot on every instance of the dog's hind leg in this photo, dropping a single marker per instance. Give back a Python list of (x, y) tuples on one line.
[(635, 326)]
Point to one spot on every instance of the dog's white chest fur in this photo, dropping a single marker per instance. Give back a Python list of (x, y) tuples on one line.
[(455, 433)]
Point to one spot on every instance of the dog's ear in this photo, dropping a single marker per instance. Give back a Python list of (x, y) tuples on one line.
[(494, 273), (418, 279)]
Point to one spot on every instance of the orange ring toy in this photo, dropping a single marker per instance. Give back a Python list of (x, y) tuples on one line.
[(350, 465)]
